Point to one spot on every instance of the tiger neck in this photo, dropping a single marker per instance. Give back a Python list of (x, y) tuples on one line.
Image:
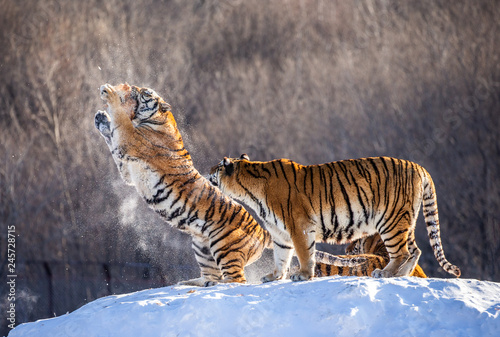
[(169, 148), (251, 193)]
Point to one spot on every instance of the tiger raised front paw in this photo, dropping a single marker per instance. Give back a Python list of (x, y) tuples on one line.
[(109, 94), (103, 124)]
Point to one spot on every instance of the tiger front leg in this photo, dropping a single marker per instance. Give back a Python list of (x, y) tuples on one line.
[(305, 248), (232, 266), (102, 122), (283, 252)]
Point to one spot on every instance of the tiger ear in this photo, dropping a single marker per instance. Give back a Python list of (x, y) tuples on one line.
[(228, 166), (245, 156), (164, 107)]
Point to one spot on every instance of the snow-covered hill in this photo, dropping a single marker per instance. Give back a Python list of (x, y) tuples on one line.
[(340, 306)]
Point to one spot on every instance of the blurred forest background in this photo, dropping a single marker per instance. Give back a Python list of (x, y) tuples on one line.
[(310, 80)]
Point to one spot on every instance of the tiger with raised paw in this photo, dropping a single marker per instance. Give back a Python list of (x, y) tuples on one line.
[(146, 145)]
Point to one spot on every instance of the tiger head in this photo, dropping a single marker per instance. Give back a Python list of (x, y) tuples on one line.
[(221, 174), (143, 105)]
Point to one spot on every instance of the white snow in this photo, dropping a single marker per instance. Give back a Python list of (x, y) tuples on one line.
[(332, 306)]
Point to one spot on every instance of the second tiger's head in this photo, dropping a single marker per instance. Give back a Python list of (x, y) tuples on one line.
[(223, 174)]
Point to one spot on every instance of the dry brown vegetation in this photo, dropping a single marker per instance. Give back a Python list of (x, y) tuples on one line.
[(313, 81)]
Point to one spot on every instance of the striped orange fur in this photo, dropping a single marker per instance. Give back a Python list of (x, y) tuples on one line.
[(370, 248), (142, 135), (337, 202)]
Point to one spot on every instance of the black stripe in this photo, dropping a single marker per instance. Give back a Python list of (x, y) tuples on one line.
[(220, 238), (346, 198), (312, 181), (306, 172), (323, 225), (273, 163), (360, 199), (156, 199), (328, 270), (264, 169), (294, 171), (285, 176), (249, 171), (282, 246)]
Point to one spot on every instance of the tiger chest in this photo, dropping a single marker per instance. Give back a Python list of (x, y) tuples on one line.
[(163, 197)]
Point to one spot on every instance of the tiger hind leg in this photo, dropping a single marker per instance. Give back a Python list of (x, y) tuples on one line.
[(415, 253), (232, 266), (399, 255), (233, 273), (394, 267), (210, 272)]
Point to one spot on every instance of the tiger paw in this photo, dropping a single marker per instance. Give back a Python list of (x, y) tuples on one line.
[(210, 284), (197, 282), (300, 276), (380, 273), (102, 123), (269, 278), (109, 94)]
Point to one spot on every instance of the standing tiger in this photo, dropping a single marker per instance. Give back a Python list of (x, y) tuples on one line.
[(147, 147), (337, 202)]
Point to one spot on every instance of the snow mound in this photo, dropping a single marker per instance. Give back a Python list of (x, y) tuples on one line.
[(332, 306)]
